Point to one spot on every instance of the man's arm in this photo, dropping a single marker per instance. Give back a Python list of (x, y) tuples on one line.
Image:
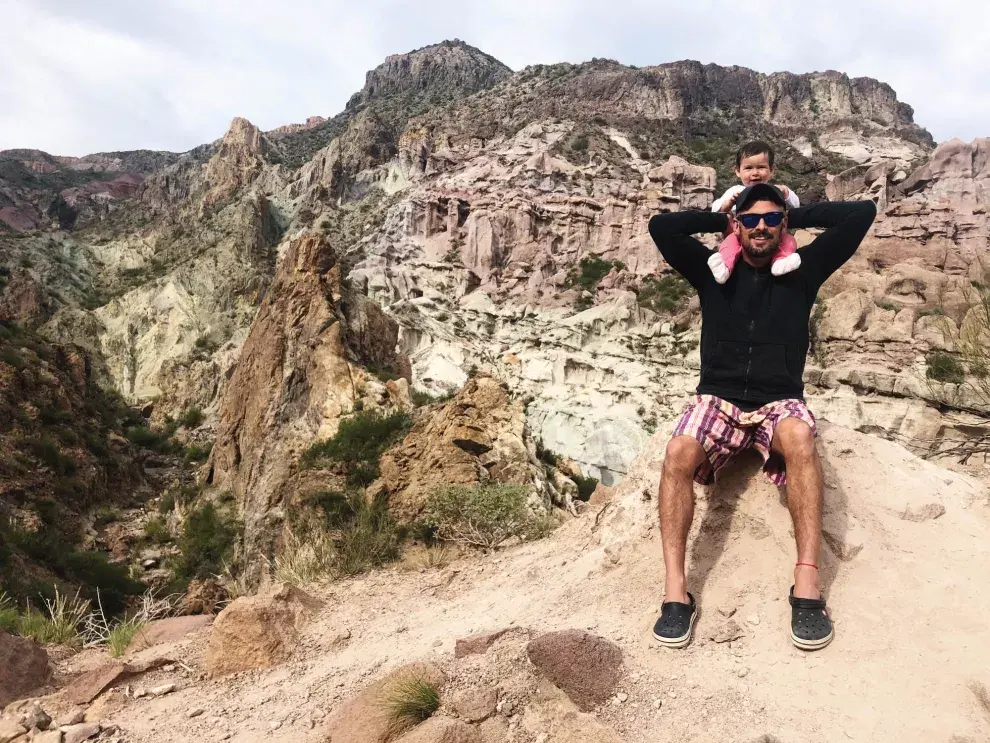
[(686, 255), (846, 224)]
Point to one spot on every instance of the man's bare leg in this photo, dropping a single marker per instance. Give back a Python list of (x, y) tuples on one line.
[(794, 440), (684, 455)]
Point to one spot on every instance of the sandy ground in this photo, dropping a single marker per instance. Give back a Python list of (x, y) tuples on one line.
[(910, 601)]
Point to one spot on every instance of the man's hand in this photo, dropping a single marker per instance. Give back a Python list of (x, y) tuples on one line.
[(728, 202)]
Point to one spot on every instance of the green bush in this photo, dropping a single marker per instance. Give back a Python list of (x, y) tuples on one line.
[(156, 530), (358, 444), (591, 271), (160, 441), (206, 542), (944, 368), (370, 539), (192, 418), (666, 294), (197, 452), (483, 516)]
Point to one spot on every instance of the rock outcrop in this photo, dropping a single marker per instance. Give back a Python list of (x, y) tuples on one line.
[(480, 435), (299, 371), (24, 668)]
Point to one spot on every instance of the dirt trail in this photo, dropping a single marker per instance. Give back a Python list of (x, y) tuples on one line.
[(909, 599)]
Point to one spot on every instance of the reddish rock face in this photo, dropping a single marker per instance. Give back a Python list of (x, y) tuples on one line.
[(584, 666), (23, 668)]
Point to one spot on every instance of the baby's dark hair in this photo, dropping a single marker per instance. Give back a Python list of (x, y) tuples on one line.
[(757, 147)]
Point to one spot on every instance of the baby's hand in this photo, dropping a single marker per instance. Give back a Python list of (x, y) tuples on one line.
[(728, 202), (786, 191)]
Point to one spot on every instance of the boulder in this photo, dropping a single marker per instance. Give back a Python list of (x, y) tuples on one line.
[(258, 631), (478, 644), (585, 667), (10, 730), (475, 704), (365, 718), (81, 732), (88, 686), (845, 313), (167, 630), (23, 668)]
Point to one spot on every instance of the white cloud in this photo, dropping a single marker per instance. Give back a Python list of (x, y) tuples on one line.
[(115, 74)]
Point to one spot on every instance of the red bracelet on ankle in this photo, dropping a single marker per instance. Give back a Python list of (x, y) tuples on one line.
[(807, 564)]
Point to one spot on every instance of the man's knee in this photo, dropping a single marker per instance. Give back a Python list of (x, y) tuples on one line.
[(795, 439), (684, 455)]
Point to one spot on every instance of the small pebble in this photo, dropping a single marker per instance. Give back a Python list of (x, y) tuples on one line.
[(753, 619), (658, 704), (741, 673), (196, 712)]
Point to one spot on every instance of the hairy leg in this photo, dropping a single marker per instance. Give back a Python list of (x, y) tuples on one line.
[(794, 440), (684, 455)]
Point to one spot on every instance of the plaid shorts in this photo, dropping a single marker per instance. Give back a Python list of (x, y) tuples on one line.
[(724, 430)]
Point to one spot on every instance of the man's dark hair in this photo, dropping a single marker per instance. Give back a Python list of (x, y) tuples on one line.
[(757, 147)]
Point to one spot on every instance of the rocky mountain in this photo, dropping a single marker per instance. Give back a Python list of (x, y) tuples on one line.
[(458, 217)]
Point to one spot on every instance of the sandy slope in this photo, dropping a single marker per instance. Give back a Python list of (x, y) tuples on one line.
[(911, 609)]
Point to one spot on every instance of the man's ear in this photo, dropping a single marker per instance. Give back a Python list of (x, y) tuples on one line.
[(734, 227)]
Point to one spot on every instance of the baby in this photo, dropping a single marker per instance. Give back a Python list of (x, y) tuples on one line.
[(754, 164)]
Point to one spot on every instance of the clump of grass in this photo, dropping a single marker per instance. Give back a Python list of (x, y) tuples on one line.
[(410, 701), (61, 624), (431, 558), (121, 636)]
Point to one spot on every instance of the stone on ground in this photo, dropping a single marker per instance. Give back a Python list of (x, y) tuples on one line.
[(478, 644), (79, 733), (365, 718), (258, 631), (927, 512), (23, 668), (167, 630), (10, 730), (440, 730), (582, 665), (475, 704)]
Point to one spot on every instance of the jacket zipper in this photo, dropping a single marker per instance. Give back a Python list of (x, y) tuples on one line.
[(749, 353)]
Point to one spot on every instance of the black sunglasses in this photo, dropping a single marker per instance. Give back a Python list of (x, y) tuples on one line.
[(749, 221)]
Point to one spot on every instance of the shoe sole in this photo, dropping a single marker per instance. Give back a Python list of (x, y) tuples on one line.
[(678, 642), (812, 644)]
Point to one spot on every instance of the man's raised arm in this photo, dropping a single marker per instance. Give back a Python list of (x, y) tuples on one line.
[(686, 255), (846, 224)]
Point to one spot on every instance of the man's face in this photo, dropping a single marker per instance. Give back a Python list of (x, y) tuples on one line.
[(755, 169), (761, 241)]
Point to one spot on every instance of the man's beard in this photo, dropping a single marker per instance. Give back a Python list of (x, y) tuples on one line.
[(761, 251)]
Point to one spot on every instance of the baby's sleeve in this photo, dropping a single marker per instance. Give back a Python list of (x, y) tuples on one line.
[(793, 202), (717, 204)]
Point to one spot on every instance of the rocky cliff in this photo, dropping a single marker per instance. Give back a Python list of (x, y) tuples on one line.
[(498, 220)]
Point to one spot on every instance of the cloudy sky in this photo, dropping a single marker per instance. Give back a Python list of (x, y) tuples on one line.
[(79, 77)]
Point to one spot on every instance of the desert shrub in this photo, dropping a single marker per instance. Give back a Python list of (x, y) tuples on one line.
[(665, 294), (370, 539), (160, 441), (590, 271), (348, 534), (156, 531), (206, 543), (484, 516), (944, 368), (358, 444), (197, 452), (61, 622), (192, 418), (410, 701), (886, 305), (933, 312)]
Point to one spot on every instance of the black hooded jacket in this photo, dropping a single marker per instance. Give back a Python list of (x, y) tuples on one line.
[(754, 328)]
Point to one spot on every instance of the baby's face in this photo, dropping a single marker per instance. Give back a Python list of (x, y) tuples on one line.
[(755, 169)]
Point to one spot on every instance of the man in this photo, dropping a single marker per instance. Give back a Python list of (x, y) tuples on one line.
[(754, 341)]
